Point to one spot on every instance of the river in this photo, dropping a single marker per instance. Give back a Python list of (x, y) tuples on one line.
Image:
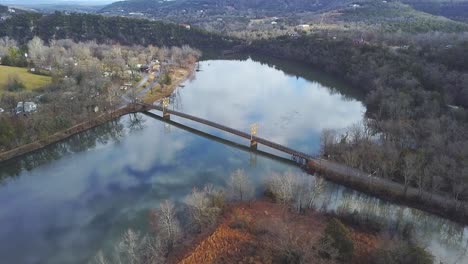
[(63, 203)]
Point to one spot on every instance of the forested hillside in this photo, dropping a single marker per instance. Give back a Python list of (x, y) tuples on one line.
[(80, 27), (228, 16), (453, 9), (417, 95), (163, 8), (395, 16)]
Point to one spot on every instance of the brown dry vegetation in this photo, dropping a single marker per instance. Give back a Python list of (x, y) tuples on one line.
[(262, 232)]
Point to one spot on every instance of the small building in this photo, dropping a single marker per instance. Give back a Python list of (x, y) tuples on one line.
[(274, 22), (26, 107), (186, 26)]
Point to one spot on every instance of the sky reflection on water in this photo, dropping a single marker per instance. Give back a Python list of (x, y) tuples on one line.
[(63, 203)]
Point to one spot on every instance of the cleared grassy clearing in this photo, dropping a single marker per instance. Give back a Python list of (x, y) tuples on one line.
[(31, 81)]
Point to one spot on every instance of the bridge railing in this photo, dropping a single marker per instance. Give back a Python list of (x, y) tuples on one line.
[(232, 131)]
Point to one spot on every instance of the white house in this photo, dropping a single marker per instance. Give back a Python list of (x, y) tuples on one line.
[(26, 107)]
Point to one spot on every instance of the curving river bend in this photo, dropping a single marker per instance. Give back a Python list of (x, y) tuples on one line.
[(63, 203)]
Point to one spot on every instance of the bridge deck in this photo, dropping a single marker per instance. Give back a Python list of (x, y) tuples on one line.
[(239, 133)]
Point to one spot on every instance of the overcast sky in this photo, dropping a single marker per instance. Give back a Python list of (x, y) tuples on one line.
[(28, 2)]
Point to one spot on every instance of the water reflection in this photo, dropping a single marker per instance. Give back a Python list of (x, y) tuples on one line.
[(111, 131), (63, 211), (290, 110), (63, 203), (445, 239)]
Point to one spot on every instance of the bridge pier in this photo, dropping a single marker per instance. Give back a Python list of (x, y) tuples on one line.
[(253, 144)]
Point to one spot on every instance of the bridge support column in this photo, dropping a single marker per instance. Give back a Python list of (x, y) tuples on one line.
[(253, 144), (166, 115)]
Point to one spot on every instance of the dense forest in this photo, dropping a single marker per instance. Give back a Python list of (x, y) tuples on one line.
[(453, 9), (163, 8), (230, 17), (417, 94), (394, 16), (82, 27)]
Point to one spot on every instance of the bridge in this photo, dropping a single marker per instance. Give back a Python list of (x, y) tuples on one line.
[(298, 157)]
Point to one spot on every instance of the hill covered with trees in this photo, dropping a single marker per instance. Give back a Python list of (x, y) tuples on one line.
[(453, 9), (82, 27), (229, 16), (167, 8), (395, 16), (417, 96)]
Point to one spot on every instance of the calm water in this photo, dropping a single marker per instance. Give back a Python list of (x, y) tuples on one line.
[(63, 203)]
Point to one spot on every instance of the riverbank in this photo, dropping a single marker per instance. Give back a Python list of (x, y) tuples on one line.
[(62, 135), (390, 191), (178, 75)]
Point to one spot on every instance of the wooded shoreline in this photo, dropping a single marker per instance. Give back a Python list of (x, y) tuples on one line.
[(390, 191), (81, 127), (62, 135)]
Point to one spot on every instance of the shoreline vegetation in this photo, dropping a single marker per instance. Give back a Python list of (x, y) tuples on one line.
[(413, 132), (62, 135), (87, 80), (285, 225), (380, 188), (390, 191), (178, 76)]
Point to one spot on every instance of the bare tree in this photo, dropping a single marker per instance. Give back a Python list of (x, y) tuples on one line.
[(99, 259), (153, 251), (297, 190), (128, 247), (37, 51), (281, 186), (169, 227), (240, 186), (328, 139), (5, 44), (163, 54), (205, 206), (410, 169)]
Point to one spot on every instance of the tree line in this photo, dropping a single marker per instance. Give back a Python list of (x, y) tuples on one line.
[(279, 241), (416, 96), (87, 80), (126, 31)]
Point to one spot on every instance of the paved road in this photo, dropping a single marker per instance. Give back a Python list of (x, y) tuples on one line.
[(150, 86), (127, 96)]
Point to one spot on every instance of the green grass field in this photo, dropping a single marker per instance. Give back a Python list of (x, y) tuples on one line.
[(31, 81)]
